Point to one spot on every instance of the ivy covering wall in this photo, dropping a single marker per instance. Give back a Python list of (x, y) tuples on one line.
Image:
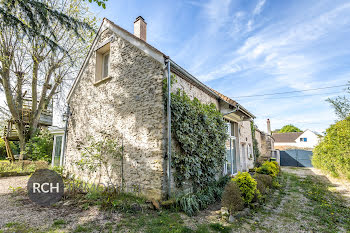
[(201, 133), (256, 151)]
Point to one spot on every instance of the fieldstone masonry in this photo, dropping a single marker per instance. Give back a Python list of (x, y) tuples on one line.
[(128, 105)]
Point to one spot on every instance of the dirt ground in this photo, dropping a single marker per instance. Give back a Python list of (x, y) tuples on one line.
[(17, 208), (288, 209)]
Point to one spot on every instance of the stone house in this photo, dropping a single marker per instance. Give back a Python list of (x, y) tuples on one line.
[(118, 92), (266, 143)]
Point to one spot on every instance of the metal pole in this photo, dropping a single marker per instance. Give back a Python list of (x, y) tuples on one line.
[(65, 136), (169, 129)]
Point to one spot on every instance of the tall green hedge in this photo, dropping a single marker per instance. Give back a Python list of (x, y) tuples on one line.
[(332, 154)]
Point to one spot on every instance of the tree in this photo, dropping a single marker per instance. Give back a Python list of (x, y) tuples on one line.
[(332, 154), (289, 128), (35, 19), (341, 105), (31, 67)]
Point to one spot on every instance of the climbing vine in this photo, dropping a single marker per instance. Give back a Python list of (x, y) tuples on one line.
[(201, 133), (256, 151)]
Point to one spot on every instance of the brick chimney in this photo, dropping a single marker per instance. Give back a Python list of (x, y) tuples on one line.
[(268, 127), (140, 28)]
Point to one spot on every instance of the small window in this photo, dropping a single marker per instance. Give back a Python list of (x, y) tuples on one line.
[(105, 71), (305, 139), (301, 139), (102, 63)]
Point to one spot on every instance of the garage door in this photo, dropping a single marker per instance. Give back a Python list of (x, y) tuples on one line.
[(296, 158)]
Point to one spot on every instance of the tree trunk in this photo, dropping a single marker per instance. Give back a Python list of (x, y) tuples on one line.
[(22, 139)]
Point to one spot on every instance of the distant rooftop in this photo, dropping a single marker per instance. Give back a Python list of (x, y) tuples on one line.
[(286, 137)]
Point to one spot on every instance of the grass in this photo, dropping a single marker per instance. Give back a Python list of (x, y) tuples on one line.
[(59, 222), (166, 221), (327, 207), (299, 204), (17, 168), (18, 228)]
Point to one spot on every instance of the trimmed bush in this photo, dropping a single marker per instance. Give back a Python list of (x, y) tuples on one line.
[(332, 154), (232, 197), (247, 185), (269, 168), (264, 182)]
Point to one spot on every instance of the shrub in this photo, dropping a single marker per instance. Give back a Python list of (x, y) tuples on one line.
[(247, 185), (40, 147), (332, 154), (232, 197), (264, 182), (269, 168), (193, 202), (188, 203), (3, 153)]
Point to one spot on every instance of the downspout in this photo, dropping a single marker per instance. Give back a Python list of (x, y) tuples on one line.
[(169, 127), (65, 135)]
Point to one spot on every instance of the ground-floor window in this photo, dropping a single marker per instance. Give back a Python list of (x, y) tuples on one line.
[(231, 161), (57, 150)]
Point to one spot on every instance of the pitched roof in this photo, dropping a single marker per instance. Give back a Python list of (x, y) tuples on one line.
[(286, 137), (146, 46), (232, 102)]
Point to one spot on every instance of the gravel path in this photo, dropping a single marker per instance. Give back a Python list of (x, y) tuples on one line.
[(7, 183), (340, 186), (19, 209)]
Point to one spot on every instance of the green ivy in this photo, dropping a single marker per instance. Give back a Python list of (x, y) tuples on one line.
[(201, 133), (256, 151)]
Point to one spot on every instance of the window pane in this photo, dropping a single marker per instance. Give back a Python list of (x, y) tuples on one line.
[(105, 65), (233, 152), (58, 147), (228, 158)]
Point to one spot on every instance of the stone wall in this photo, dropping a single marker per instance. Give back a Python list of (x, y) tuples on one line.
[(245, 142), (193, 91), (265, 144), (127, 106)]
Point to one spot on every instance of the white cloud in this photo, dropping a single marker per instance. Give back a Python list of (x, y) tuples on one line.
[(259, 6), (280, 49), (218, 13)]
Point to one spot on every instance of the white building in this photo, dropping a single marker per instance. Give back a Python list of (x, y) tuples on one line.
[(306, 139)]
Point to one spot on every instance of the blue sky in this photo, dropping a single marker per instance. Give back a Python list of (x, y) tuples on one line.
[(254, 47)]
